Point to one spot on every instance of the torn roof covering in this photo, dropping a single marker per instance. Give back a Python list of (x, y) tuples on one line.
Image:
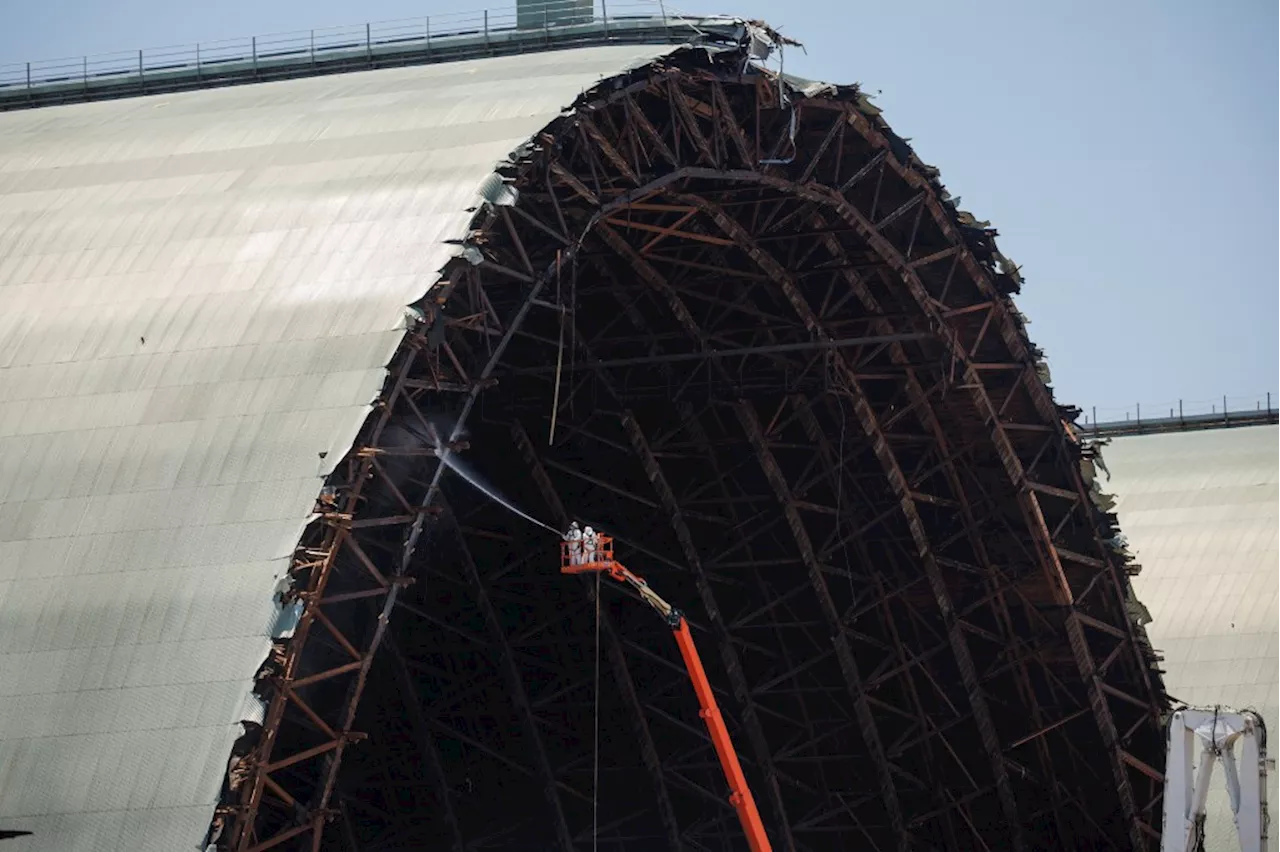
[(202, 293)]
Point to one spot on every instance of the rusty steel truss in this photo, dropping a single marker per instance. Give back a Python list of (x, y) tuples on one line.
[(735, 322)]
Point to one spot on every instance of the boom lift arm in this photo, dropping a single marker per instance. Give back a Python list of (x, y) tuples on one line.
[(598, 558), (1217, 729)]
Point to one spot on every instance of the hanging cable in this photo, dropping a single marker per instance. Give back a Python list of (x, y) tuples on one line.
[(595, 749), (848, 566), (792, 122), (555, 396), (573, 325)]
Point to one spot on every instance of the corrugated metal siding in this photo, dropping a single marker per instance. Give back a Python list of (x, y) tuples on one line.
[(200, 292), (1200, 511)]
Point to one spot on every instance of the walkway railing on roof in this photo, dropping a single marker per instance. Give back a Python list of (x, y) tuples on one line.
[(461, 35), (1181, 415)]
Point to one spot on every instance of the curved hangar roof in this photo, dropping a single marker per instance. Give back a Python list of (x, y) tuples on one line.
[(730, 318)]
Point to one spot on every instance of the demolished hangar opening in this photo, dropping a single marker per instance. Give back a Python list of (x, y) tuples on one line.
[(791, 383)]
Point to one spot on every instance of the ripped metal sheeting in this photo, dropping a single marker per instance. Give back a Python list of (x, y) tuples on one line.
[(495, 190)]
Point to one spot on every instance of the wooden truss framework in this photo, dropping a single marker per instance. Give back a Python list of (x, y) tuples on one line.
[(795, 377)]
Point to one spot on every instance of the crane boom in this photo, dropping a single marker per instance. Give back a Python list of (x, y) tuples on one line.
[(578, 557)]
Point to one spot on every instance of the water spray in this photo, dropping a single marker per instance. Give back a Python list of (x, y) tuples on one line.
[(476, 483), (435, 428)]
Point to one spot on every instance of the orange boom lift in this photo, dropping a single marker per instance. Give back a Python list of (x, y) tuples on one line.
[(579, 557)]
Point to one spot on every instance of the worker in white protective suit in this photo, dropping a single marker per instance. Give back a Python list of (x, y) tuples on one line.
[(589, 545), (574, 537)]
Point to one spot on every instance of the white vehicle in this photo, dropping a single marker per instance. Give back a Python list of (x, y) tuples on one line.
[(1220, 731)]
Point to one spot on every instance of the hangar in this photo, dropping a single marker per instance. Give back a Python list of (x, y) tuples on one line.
[(263, 314)]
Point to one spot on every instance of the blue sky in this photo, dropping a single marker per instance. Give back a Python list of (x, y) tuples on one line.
[(1126, 151)]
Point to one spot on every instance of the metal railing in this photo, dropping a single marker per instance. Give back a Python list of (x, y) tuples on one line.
[(1225, 410), (451, 34)]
